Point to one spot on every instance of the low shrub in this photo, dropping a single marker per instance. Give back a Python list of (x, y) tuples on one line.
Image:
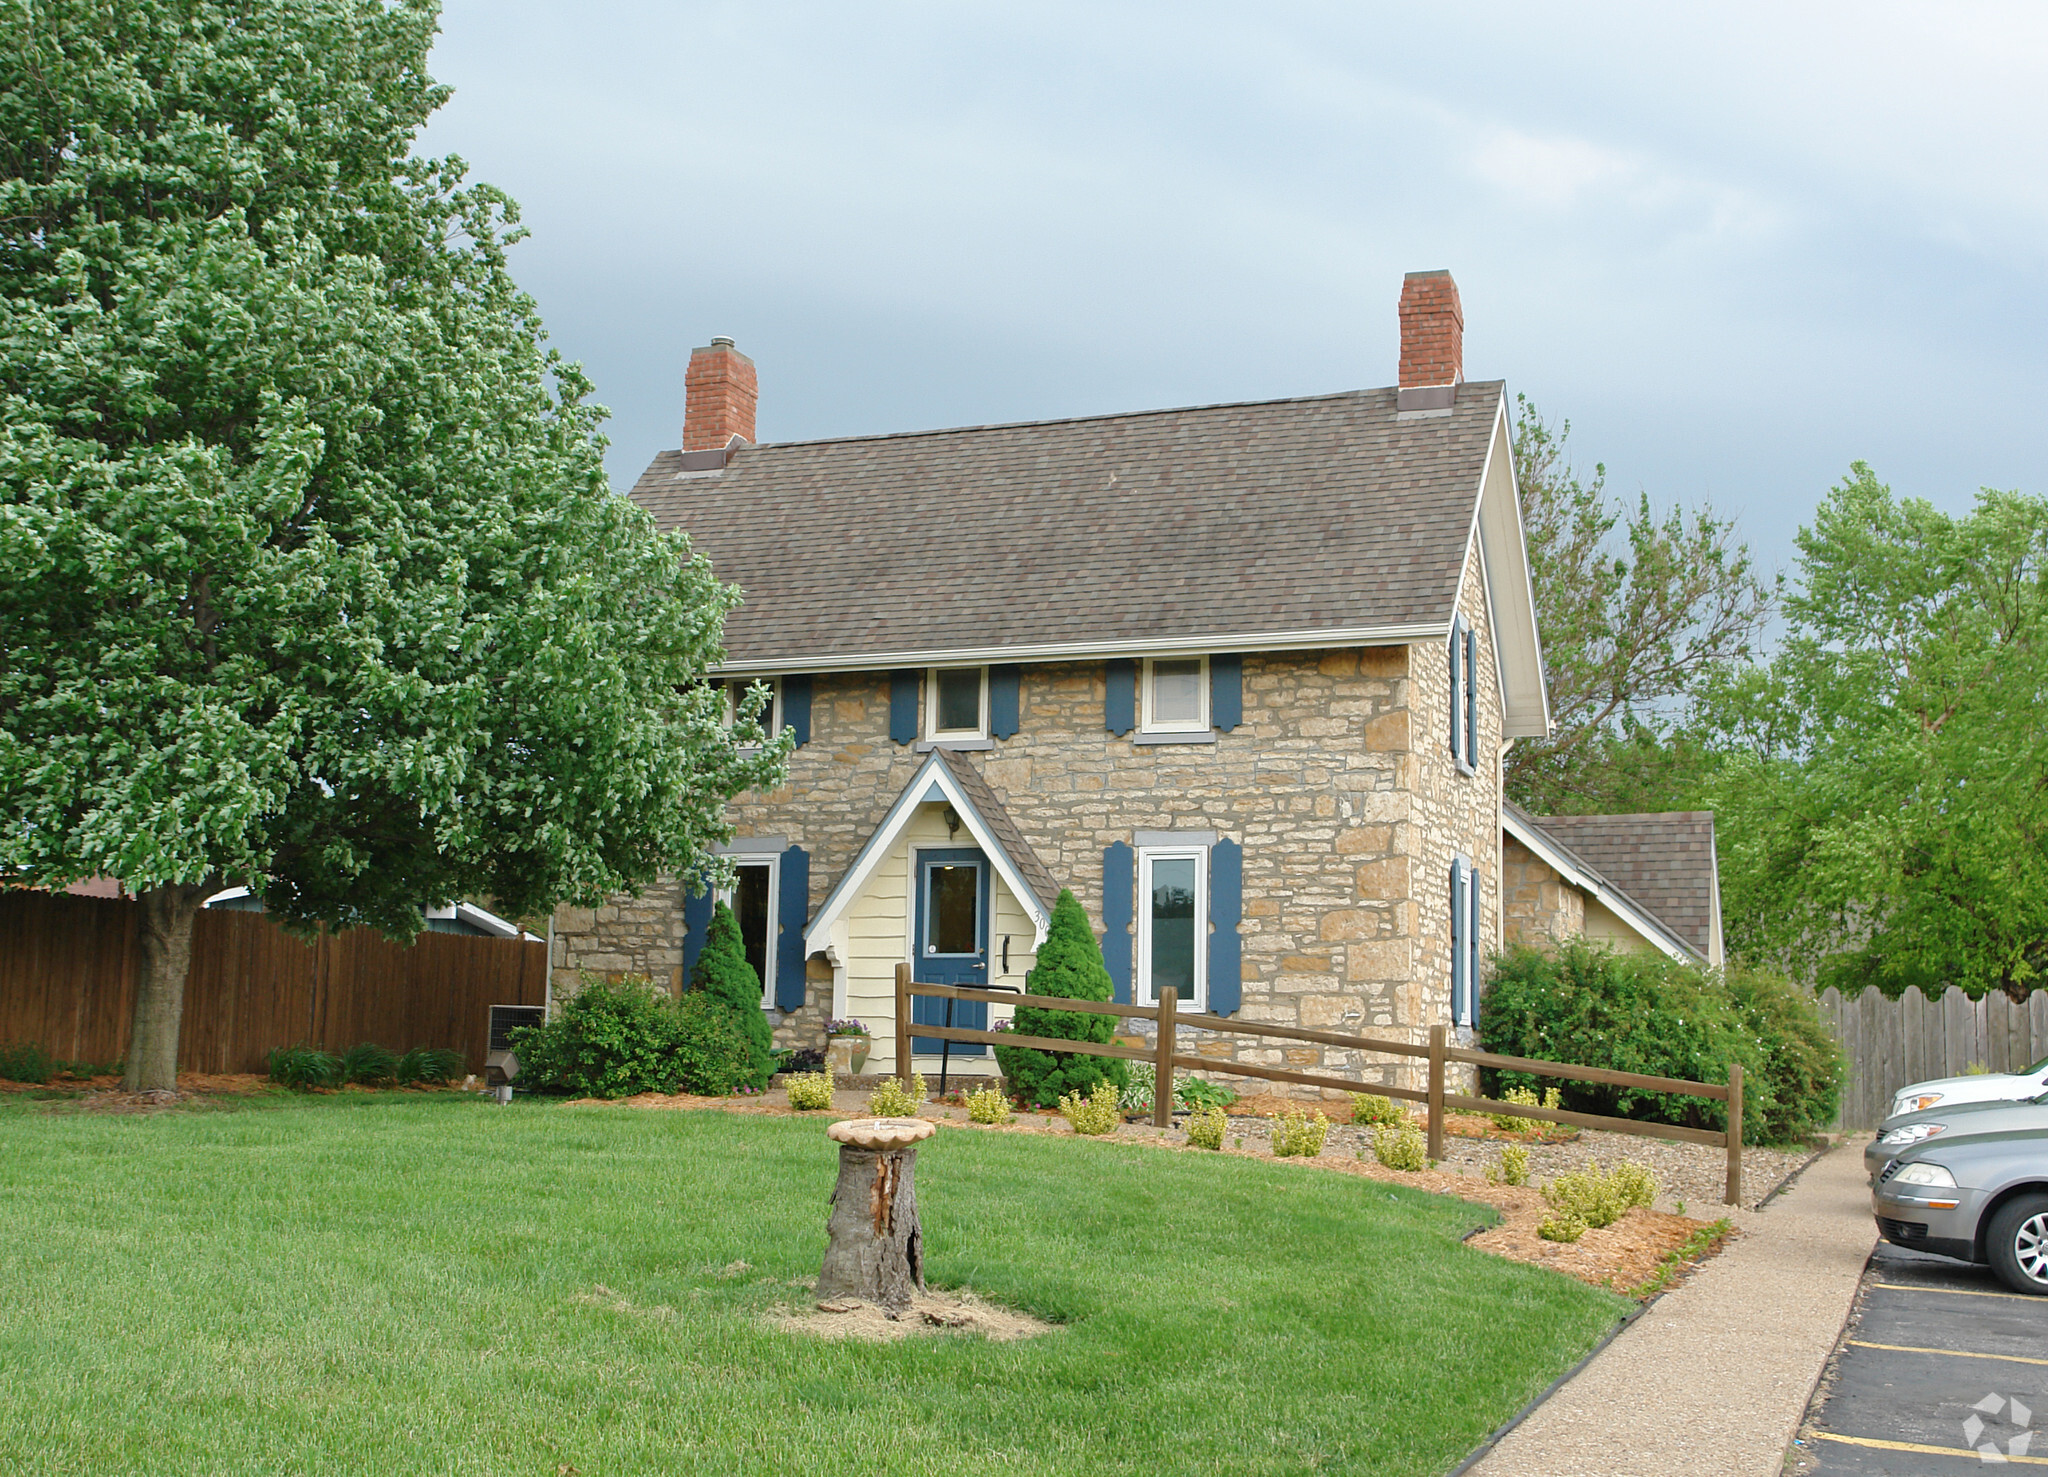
[(427, 1065), (1526, 1096), (988, 1105), (1206, 1128), (25, 1061), (893, 1100), (303, 1068), (1584, 1003), (809, 1090), (1513, 1168), (1139, 1080), (1194, 1093), (1296, 1135), (1097, 1113), (1599, 1198), (1400, 1146), (1563, 1226), (615, 1039), (1370, 1107), (369, 1064)]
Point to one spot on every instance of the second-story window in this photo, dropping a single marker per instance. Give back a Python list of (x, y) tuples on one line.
[(735, 697), (956, 703), (1175, 697)]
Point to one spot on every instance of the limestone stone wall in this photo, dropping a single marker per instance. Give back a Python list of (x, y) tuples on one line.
[(1539, 904), (1338, 784)]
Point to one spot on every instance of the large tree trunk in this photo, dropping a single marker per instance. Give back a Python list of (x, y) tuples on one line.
[(877, 1250), (168, 914)]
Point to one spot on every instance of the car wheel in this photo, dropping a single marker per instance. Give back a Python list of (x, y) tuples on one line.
[(2018, 1243)]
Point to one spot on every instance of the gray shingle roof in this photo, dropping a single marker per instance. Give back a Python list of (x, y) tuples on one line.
[(1013, 843), (1664, 862), (1284, 516)]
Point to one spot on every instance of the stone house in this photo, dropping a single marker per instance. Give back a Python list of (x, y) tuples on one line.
[(1238, 675)]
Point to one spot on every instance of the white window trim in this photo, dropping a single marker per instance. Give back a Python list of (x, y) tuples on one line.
[(773, 727), (773, 863), (1142, 987), (1465, 880), (1149, 724), (931, 707)]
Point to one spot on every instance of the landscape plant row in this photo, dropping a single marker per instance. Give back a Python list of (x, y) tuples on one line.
[(27, 1061), (303, 1067)]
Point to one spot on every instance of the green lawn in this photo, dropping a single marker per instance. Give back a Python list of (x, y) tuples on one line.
[(379, 1284)]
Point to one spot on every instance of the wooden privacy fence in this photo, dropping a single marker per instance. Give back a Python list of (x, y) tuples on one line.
[(1890, 1043), (1165, 1056), (68, 967)]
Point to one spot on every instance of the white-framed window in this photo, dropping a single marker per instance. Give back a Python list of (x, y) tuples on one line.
[(1173, 924), (1465, 696), (771, 716), (956, 702), (1173, 695), (1468, 951), (754, 898)]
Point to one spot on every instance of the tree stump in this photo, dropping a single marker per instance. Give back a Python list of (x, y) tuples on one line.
[(877, 1250)]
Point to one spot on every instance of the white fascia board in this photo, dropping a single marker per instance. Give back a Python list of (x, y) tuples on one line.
[(488, 921), (933, 772), (1618, 903), (976, 656), (1510, 595)]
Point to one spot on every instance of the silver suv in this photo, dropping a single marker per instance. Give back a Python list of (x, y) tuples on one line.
[(1970, 1182)]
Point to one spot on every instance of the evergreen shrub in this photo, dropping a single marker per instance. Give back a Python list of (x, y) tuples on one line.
[(1370, 1107), (1069, 966), (722, 973), (1513, 1168), (25, 1061), (607, 1040), (1588, 1005), (1400, 1146), (1096, 1113)]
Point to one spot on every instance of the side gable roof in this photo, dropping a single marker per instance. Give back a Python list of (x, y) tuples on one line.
[(950, 777), (1665, 860), (1330, 520), (1534, 832)]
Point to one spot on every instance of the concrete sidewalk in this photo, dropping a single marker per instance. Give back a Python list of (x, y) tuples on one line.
[(1714, 1377)]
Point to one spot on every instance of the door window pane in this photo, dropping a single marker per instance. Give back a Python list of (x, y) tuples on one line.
[(952, 912), (1172, 919), (1177, 691), (959, 699), (750, 908)]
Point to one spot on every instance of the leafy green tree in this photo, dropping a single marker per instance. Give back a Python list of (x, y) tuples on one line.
[(722, 973), (1069, 965), (1888, 775), (1633, 631), (310, 578)]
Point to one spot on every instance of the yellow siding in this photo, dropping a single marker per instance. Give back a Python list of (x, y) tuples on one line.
[(1604, 925), (879, 922)]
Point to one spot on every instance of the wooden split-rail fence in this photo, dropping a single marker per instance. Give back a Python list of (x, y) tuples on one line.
[(1165, 1055)]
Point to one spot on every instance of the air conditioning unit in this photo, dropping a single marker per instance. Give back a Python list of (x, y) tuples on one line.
[(500, 1065)]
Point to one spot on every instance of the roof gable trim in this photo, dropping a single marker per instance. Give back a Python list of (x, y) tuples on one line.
[(1576, 872), (932, 783)]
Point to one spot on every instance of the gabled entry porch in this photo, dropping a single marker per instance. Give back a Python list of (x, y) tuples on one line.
[(947, 881)]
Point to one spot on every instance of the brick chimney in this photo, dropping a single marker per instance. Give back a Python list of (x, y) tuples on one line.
[(1432, 332), (719, 394)]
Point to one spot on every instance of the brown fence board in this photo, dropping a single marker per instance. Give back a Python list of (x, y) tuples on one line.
[(67, 980), (1891, 1043)]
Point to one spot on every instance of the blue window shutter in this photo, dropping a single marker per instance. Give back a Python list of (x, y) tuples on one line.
[(1119, 883), (1003, 687), (1460, 926), (696, 923), (1471, 697), (1226, 911), (792, 912), (903, 706), (1120, 701), (1477, 949), (1226, 692), (796, 707), (1457, 687)]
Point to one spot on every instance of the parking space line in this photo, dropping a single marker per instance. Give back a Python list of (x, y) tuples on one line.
[(1961, 1292), (1952, 1353), (1961, 1451)]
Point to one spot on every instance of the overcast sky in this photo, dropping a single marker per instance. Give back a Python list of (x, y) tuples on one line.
[(1737, 246)]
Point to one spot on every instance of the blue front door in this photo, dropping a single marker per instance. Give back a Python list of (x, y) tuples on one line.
[(951, 942)]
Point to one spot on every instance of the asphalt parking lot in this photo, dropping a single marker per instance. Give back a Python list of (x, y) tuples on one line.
[(1941, 1369)]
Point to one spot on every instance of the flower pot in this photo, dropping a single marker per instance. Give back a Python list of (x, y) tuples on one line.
[(861, 1045)]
